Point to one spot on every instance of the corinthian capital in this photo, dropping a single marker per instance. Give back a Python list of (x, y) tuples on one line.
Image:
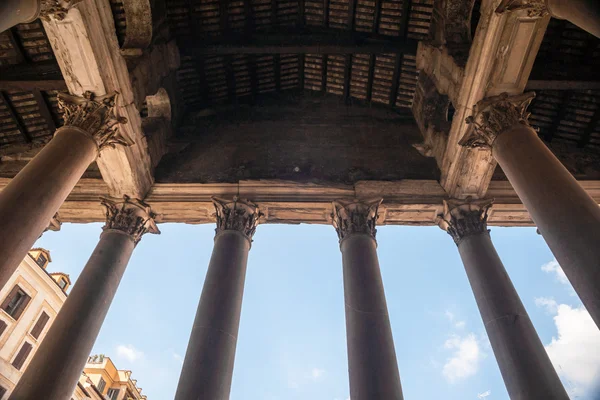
[(493, 115), (534, 8), (56, 8), (95, 115), (131, 216), (462, 218), (355, 217), (237, 215)]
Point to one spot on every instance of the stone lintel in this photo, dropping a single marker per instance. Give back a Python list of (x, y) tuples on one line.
[(85, 44), (500, 60)]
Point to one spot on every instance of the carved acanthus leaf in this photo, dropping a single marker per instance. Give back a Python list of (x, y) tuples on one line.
[(462, 218), (355, 217), (534, 8), (493, 115), (131, 216), (95, 115), (56, 8), (239, 215)]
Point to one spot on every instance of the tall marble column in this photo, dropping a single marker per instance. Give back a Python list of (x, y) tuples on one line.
[(566, 216), (13, 12), (526, 369), (372, 363), (583, 13), (31, 199), (56, 366), (208, 364)]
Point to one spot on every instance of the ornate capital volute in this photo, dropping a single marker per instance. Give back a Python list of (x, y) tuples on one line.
[(237, 215), (54, 225), (494, 115), (534, 8), (56, 8), (462, 218), (96, 116), (131, 216), (355, 217)]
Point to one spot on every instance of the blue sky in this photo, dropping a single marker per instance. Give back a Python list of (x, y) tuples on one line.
[(291, 342)]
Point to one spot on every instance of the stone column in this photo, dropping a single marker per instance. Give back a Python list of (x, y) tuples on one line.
[(57, 364), (208, 365), (13, 12), (525, 366), (31, 199), (566, 216), (372, 363), (583, 13)]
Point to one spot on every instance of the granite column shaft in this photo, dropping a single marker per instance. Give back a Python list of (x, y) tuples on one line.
[(57, 364), (372, 363), (208, 365)]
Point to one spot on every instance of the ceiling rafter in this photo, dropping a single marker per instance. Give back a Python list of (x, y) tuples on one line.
[(372, 59), (252, 68), (587, 134), (14, 115), (44, 110), (406, 4), (562, 112), (348, 57)]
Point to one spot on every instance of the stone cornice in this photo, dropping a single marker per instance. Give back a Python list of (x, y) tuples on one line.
[(95, 115), (238, 215), (131, 216), (534, 8), (462, 218), (355, 217), (494, 115)]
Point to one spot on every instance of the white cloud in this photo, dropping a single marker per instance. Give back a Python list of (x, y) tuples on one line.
[(548, 303), (484, 394), (554, 267), (129, 352), (317, 373), (575, 352), (465, 359), (449, 315), (460, 324)]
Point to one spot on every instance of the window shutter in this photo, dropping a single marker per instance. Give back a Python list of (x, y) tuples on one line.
[(101, 385), (10, 296), (21, 307), (22, 355), (40, 325), (2, 328)]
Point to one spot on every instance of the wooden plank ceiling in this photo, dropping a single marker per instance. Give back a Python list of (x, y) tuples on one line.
[(235, 50), (566, 78), (30, 80)]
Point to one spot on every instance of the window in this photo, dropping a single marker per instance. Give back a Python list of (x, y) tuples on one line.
[(101, 385), (62, 282), (41, 260), (113, 394), (40, 325), (2, 328), (15, 302), (22, 355), (2, 392)]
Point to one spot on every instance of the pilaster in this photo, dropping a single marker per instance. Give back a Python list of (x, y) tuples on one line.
[(462, 218), (130, 216), (355, 217), (494, 115), (237, 215)]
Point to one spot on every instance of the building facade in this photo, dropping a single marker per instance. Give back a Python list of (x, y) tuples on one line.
[(29, 305), (30, 302)]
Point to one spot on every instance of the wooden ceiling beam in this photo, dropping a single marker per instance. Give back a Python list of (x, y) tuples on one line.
[(44, 110), (13, 114), (326, 13), (277, 71), (28, 86), (562, 85), (296, 44), (562, 113), (372, 59), (324, 71), (587, 134), (17, 46), (301, 9)]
